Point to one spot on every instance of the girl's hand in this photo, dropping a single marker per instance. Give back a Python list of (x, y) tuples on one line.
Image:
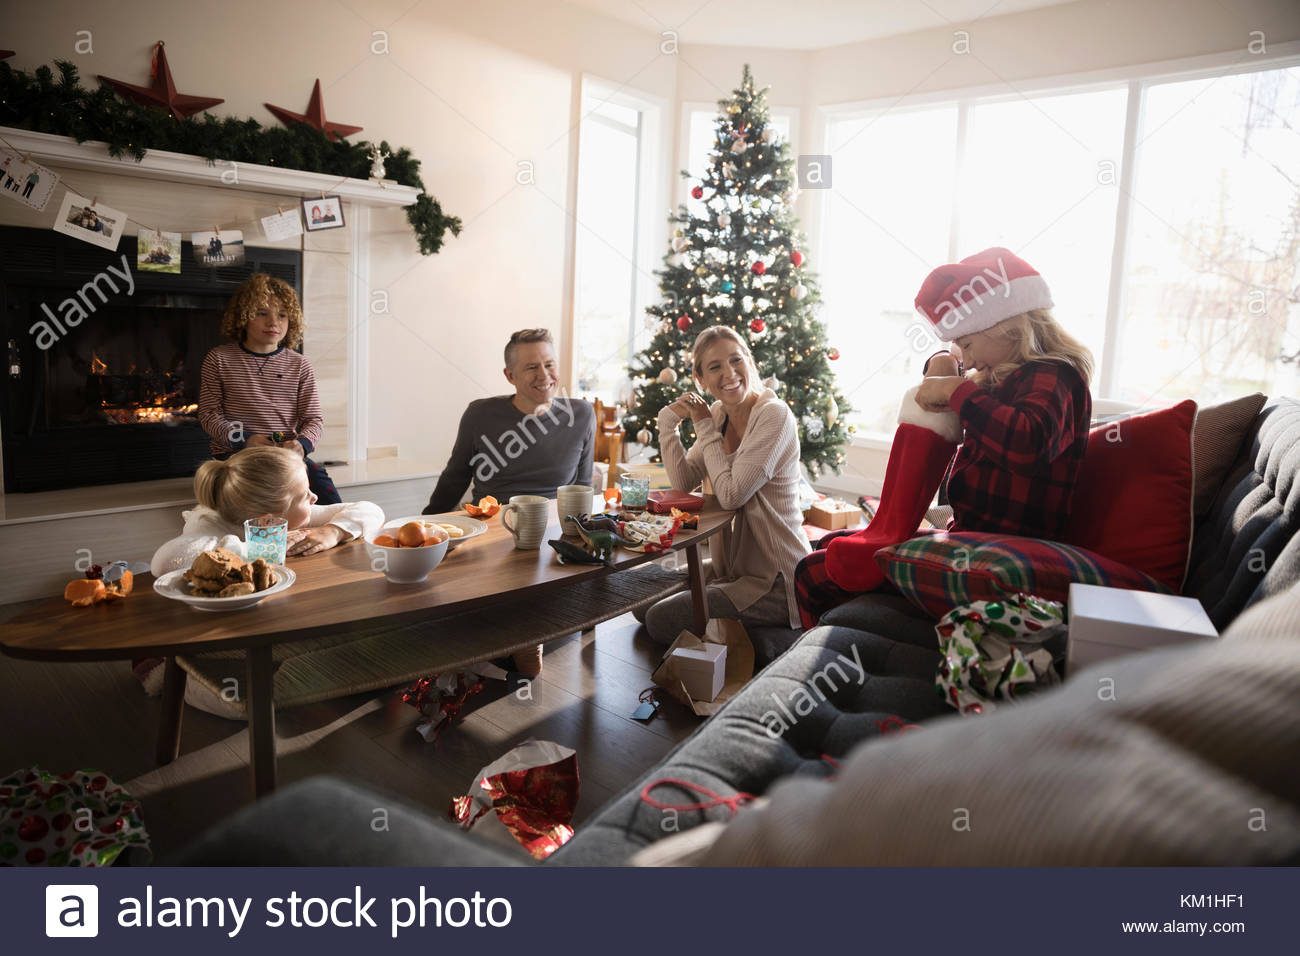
[(311, 540), (293, 445), (254, 440), (935, 392)]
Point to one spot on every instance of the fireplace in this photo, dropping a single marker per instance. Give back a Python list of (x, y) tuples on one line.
[(106, 388)]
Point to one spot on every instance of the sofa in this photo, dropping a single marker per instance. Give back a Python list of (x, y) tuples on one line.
[(1245, 551)]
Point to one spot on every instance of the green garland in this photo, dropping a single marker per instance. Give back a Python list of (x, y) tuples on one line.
[(44, 103)]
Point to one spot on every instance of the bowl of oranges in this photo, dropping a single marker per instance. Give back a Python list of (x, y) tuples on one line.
[(407, 549)]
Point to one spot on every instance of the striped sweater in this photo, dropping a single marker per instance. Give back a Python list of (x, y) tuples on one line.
[(760, 482), (245, 393)]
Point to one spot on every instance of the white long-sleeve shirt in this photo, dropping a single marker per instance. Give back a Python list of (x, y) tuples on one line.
[(760, 482), (205, 529)]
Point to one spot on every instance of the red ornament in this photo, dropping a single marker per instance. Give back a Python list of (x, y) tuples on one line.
[(162, 91), (697, 192), (314, 117), (758, 325), (832, 354), (759, 267), (796, 258), (684, 323)]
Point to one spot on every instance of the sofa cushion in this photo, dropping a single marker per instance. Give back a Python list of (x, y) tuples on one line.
[(1137, 475), (1217, 437), (1248, 546), (940, 571)]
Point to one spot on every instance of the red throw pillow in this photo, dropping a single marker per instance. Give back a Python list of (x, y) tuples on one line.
[(1133, 502)]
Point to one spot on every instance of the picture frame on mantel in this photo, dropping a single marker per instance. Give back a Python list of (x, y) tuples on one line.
[(323, 212)]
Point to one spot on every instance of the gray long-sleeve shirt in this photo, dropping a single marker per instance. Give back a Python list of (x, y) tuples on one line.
[(505, 452)]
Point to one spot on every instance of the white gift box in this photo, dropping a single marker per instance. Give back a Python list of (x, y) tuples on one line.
[(701, 669), (1110, 622)]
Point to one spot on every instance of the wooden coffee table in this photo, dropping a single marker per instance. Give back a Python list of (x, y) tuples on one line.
[(335, 591)]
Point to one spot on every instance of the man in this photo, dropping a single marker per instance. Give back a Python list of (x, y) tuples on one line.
[(528, 443)]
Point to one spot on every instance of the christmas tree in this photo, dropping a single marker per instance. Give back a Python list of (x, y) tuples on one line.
[(735, 259)]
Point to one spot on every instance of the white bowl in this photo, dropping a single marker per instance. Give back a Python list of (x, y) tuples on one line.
[(472, 527), (404, 565), (173, 585)]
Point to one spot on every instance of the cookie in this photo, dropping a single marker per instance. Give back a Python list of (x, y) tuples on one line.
[(218, 564), (242, 589), (263, 576)]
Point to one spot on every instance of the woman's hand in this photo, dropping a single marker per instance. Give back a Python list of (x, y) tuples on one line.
[(311, 540), (254, 440), (936, 392), (691, 406)]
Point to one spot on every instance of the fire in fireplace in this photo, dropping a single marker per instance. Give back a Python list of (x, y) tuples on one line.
[(116, 399)]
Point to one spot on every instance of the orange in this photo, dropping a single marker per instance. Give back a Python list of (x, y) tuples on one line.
[(84, 592), (487, 507), (433, 534), (411, 534), (386, 541)]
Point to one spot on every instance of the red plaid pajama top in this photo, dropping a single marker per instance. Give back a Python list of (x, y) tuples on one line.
[(1016, 470)]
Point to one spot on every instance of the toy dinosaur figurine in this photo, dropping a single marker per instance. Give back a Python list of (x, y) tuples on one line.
[(600, 541), (569, 553), (597, 522)]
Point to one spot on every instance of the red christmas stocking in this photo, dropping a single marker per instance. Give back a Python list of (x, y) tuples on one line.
[(917, 462)]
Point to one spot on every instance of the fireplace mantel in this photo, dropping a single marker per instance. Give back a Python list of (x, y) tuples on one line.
[(158, 164)]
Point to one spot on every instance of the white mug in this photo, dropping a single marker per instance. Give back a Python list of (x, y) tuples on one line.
[(572, 500), (530, 525)]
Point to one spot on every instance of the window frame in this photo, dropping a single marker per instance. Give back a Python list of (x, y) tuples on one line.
[(1136, 80)]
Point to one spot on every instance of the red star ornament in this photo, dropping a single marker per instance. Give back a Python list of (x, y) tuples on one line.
[(162, 92), (314, 117)]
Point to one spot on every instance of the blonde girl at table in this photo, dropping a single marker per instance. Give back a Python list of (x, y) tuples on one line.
[(256, 481), (747, 445)]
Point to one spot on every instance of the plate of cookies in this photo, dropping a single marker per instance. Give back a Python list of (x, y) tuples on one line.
[(220, 580)]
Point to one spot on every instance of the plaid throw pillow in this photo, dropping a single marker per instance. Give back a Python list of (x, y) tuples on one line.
[(937, 572)]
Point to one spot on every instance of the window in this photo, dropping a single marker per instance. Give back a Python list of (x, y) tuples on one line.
[(1208, 233), (613, 262)]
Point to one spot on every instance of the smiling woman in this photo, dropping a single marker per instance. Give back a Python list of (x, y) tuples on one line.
[(747, 446)]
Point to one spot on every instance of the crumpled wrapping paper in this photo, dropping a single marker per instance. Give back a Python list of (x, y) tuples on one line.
[(43, 823), (650, 533), (533, 791), (993, 650)]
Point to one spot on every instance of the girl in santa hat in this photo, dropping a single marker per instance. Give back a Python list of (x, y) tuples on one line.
[(1017, 403)]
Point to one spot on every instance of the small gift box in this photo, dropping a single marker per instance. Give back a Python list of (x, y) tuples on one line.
[(1109, 622), (701, 669), (833, 514)]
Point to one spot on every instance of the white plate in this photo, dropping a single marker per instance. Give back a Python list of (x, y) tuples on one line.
[(173, 585), (472, 526)]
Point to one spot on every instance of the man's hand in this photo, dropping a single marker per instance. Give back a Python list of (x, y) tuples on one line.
[(935, 392), (311, 540)]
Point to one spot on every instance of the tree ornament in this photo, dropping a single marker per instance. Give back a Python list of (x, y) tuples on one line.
[(796, 258), (739, 146), (697, 192), (314, 117), (747, 303), (832, 412), (729, 169), (162, 91), (683, 323), (651, 322), (724, 220), (665, 326), (702, 271), (832, 353), (759, 267), (798, 291), (678, 232), (769, 134), (644, 437), (757, 326), (668, 376), (726, 285), (680, 243), (812, 427), (733, 108)]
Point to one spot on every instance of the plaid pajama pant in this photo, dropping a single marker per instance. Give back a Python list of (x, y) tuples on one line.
[(814, 590)]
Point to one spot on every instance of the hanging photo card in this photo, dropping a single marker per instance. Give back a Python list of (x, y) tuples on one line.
[(25, 181), (224, 248), (89, 221), (157, 251), (323, 213), (283, 225)]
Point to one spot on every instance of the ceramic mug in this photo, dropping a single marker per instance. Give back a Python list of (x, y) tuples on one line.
[(532, 514), (572, 500)]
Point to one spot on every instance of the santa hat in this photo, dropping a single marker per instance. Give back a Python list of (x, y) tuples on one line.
[(979, 292)]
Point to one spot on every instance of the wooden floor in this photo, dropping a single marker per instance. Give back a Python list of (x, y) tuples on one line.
[(95, 715)]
